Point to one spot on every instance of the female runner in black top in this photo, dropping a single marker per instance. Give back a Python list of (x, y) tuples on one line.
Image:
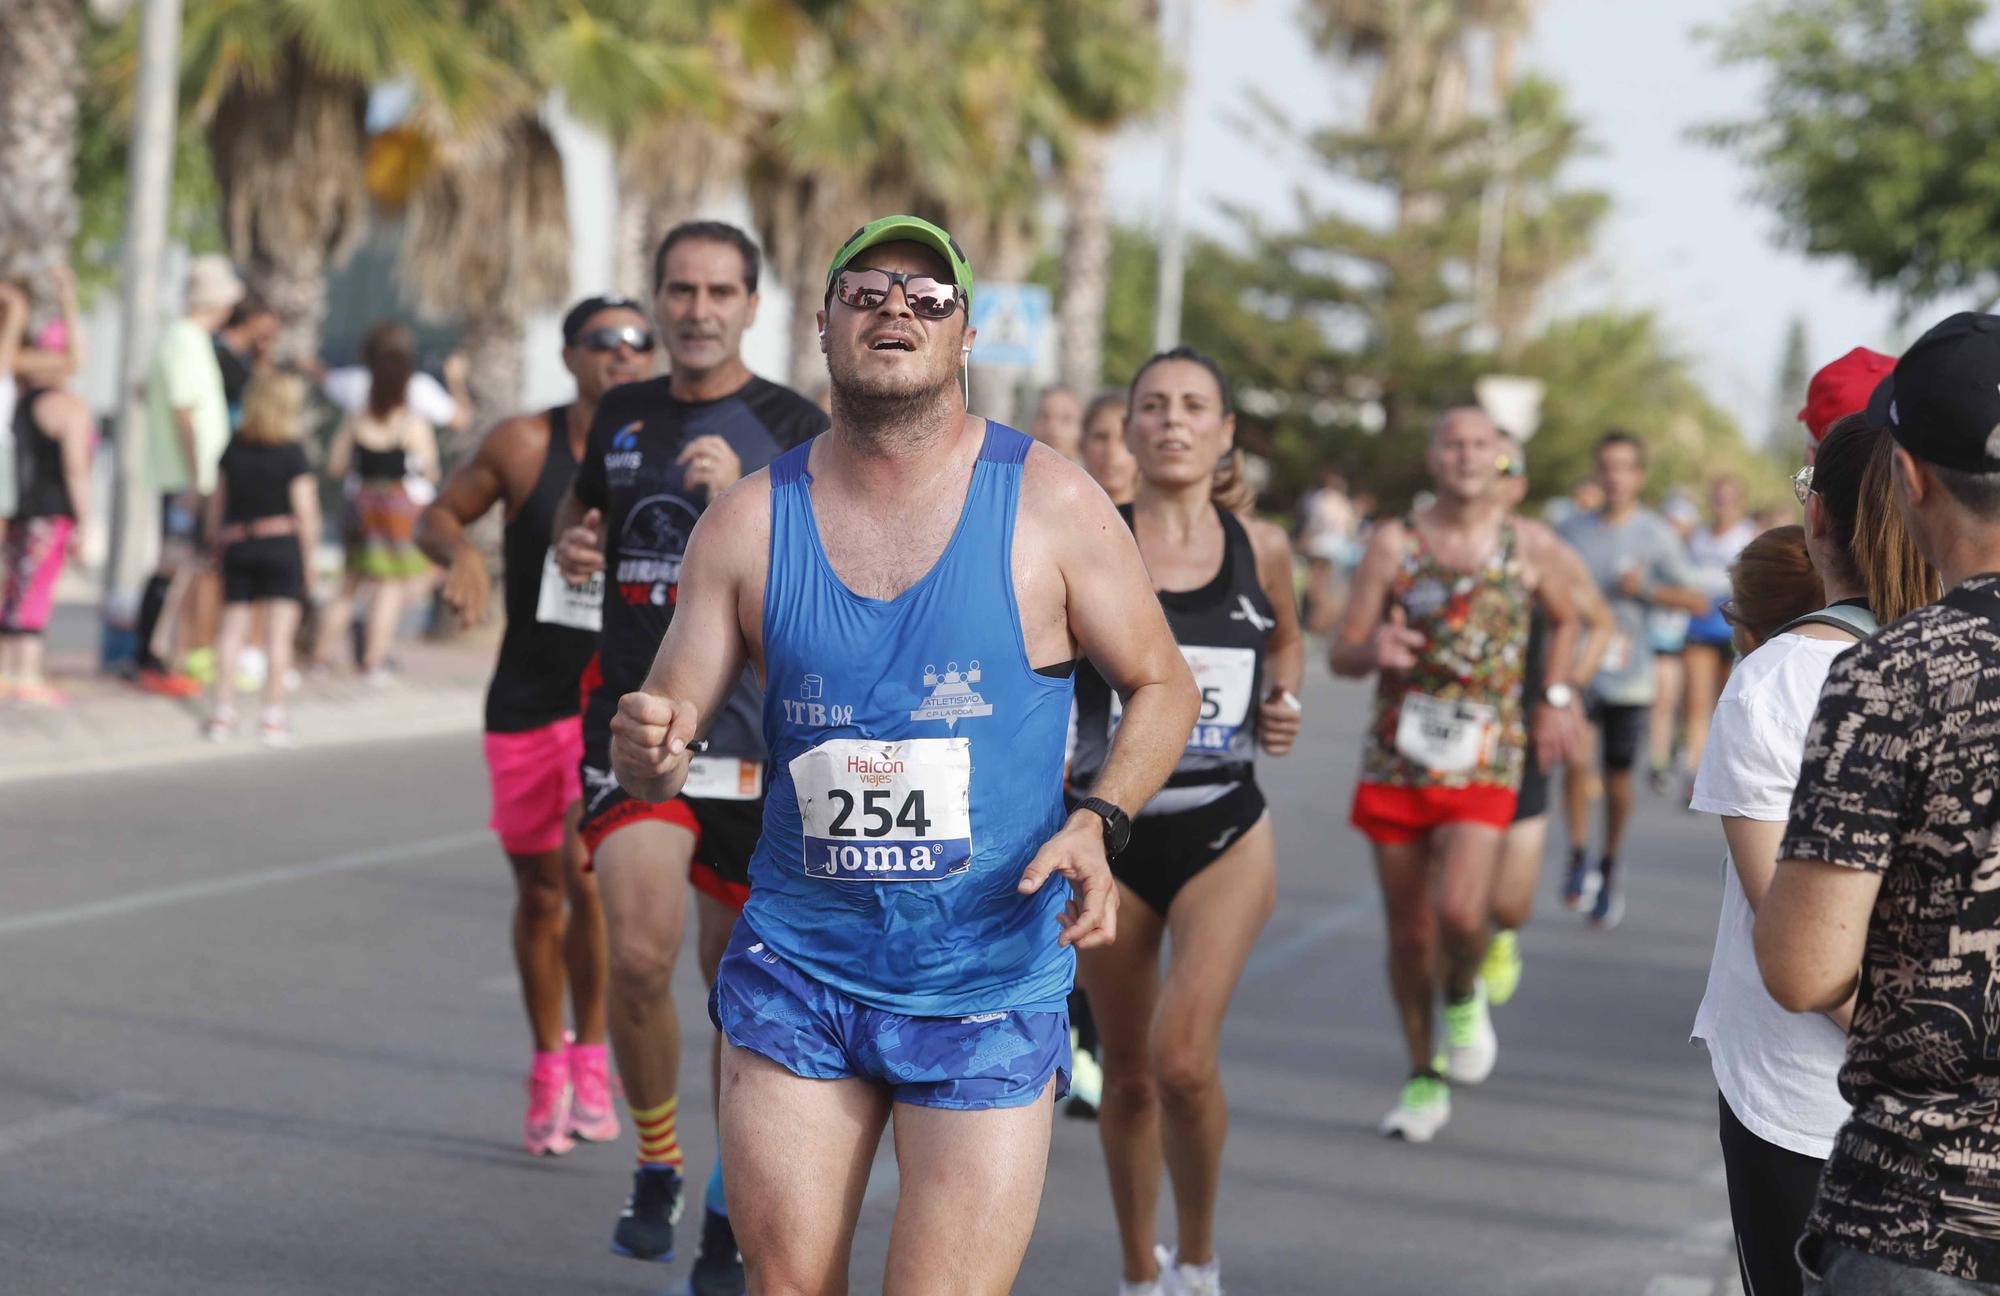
[(1201, 864)]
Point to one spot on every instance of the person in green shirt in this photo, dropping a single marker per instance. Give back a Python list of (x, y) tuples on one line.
[(187, 428)]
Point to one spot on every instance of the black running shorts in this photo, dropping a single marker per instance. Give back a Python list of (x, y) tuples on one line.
[(1167, 851)]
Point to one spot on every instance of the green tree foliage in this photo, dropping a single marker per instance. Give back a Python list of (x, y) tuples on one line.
[(1794, 372), (1873, 141)]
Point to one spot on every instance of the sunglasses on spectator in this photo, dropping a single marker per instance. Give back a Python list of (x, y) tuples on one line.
[(610, 339), (1802, 484), (928, 297)]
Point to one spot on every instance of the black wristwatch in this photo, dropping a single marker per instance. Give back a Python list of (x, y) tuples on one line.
[(1117, 825)]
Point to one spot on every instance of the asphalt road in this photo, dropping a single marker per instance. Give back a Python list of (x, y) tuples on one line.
[(259, 1033)]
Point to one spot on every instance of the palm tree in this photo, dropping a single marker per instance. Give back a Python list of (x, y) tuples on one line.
[(485, 242), (280, 88), (40, 76), (1422, 85), (1104, 60), (832, 149)]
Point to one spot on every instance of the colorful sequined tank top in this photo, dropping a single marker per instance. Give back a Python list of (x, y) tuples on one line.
[(1455, 719)]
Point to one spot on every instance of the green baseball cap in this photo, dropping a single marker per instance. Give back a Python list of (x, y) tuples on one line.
[(905, 229)]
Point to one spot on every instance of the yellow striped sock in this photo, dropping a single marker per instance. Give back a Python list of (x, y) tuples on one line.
[(659, 1143)]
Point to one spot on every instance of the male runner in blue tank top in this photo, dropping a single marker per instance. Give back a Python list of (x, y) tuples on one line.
[(914, 586), (534, 736)]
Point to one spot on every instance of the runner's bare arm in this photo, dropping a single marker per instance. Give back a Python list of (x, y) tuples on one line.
[(1552, 729), (1106, 600), (1119, 624), (1598, 624), (472, 488), (1557, 596), (579, 534), (1812, 930), (1279, 711), (702, 656), (1367, 631)]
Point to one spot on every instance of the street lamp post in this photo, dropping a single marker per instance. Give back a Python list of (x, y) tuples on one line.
[(149, 182), (1173, 238)]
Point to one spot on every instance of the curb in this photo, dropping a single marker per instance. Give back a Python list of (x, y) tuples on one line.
[(141, 732)]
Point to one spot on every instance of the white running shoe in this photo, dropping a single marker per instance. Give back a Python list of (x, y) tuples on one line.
[(1471, 1047), (1196, 1280), (1421, 1112)]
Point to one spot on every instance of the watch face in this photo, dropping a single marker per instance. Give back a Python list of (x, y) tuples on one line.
[(1559, 695)]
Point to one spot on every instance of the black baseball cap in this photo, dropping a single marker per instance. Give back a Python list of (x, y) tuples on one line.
[(1942, 400), (579, 314)]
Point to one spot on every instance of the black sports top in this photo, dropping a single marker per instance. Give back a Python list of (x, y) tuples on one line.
[(1223, 629), (535, 682)]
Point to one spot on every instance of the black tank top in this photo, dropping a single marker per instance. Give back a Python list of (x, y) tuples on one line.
[(1223, 629), (38, 465), (535, 682), (380, 465)]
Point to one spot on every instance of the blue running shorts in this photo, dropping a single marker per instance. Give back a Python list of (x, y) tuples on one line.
[(764, 1004)]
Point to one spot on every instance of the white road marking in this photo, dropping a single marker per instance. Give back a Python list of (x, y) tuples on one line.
[(208, 889), (73, 1120), (1679, 1285)]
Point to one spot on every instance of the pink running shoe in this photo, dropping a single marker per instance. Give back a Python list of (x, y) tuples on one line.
[(593, 1115), (546, 1130)]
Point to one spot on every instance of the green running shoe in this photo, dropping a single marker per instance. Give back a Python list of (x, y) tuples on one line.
[(1502, 969), (1470, 1046), (1421, 1112)]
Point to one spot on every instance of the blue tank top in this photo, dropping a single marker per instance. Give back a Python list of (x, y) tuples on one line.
[(916, 767)]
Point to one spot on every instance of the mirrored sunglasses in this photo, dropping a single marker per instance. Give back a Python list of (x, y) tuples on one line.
[(928, 297)]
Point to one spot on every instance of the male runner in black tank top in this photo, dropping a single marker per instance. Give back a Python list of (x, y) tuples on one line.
[(659, 453), (534, 736)]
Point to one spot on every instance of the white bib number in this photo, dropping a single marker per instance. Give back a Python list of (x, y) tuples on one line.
[(885, 811), (1226, 678), (581, 607), (1447, 737), (723, 778), (1617, 653)]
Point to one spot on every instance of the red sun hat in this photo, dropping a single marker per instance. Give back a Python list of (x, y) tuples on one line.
[(1843, 388)]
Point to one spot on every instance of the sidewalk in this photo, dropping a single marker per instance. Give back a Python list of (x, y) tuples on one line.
[(111, 725)]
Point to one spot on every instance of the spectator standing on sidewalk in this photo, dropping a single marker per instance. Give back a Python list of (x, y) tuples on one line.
[(264, 516), (13, 321), (242, 349), (53, 439), (187, 428), (1886, 898), (385, 446)]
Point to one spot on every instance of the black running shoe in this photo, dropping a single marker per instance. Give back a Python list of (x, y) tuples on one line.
[(718, 1270), (646, 1230)]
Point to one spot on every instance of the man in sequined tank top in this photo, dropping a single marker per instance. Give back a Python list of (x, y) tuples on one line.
[(1440, 613)]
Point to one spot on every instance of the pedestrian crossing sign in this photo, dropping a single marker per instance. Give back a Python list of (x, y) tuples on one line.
[(1013, 324)]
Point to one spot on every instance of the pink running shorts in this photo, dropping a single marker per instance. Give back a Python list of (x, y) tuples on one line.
[(535, 780)]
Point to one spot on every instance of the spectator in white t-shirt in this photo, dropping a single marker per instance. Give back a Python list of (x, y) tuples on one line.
[(1780, 1107)]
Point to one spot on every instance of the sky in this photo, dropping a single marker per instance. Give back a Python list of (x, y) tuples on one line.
[(1684, 238)]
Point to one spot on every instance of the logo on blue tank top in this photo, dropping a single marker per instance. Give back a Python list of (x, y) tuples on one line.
[(952, 698)]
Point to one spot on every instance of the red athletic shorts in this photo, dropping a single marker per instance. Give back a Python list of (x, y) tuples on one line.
[(1397, 816), (705, 874), (535, 782)]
